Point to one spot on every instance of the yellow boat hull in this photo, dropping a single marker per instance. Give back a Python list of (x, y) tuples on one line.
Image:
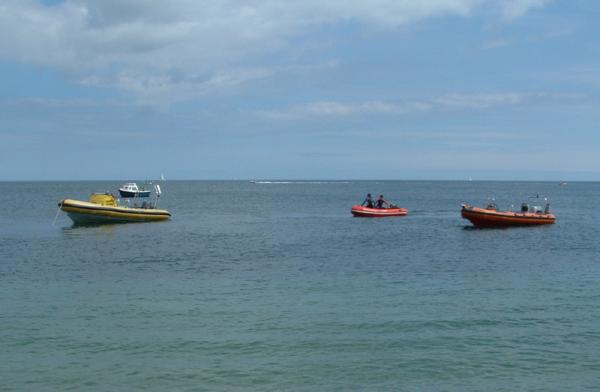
[(83, 212)]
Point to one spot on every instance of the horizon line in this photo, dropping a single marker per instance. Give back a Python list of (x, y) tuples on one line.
[(302, 180)]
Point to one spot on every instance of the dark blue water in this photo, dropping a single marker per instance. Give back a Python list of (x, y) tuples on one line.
[(278, 287)]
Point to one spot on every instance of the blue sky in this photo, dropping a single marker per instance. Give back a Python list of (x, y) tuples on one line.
[(382, 89)]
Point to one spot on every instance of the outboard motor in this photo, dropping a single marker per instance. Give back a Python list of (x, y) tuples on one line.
[(547, 208)]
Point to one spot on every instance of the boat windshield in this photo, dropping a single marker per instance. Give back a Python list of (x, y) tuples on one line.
[(130, 187)]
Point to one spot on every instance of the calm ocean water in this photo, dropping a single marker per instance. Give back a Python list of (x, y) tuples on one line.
[(277, 287)]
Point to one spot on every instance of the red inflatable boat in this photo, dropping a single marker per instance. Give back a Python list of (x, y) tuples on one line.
[(366, 212), (490, 217)]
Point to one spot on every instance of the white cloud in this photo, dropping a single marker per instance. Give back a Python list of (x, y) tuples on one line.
[(469, 101), (586, 76), (513, 9), (484, 100), (154, 47), (332, 108), (494, 44)]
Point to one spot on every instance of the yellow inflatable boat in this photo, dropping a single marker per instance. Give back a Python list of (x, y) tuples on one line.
[(103, 208)]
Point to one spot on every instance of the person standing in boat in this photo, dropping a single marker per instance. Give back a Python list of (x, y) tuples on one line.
[(368, 201), (381, 202)]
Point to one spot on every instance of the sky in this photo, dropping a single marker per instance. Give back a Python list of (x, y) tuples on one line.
[(328, 89)]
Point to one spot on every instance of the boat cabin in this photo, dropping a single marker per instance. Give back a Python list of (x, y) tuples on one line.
[(535, 209), (131, 187), (103, 199)]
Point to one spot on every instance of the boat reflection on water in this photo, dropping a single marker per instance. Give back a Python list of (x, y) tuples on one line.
[(86, 230)]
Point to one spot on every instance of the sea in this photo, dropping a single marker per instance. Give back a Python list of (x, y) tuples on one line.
[(275, 286)]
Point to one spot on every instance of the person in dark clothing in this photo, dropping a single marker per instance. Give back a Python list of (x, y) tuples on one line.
[(381, 202), (368, 201)]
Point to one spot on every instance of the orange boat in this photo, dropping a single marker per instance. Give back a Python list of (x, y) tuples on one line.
[(491, 217), (367, 212)]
